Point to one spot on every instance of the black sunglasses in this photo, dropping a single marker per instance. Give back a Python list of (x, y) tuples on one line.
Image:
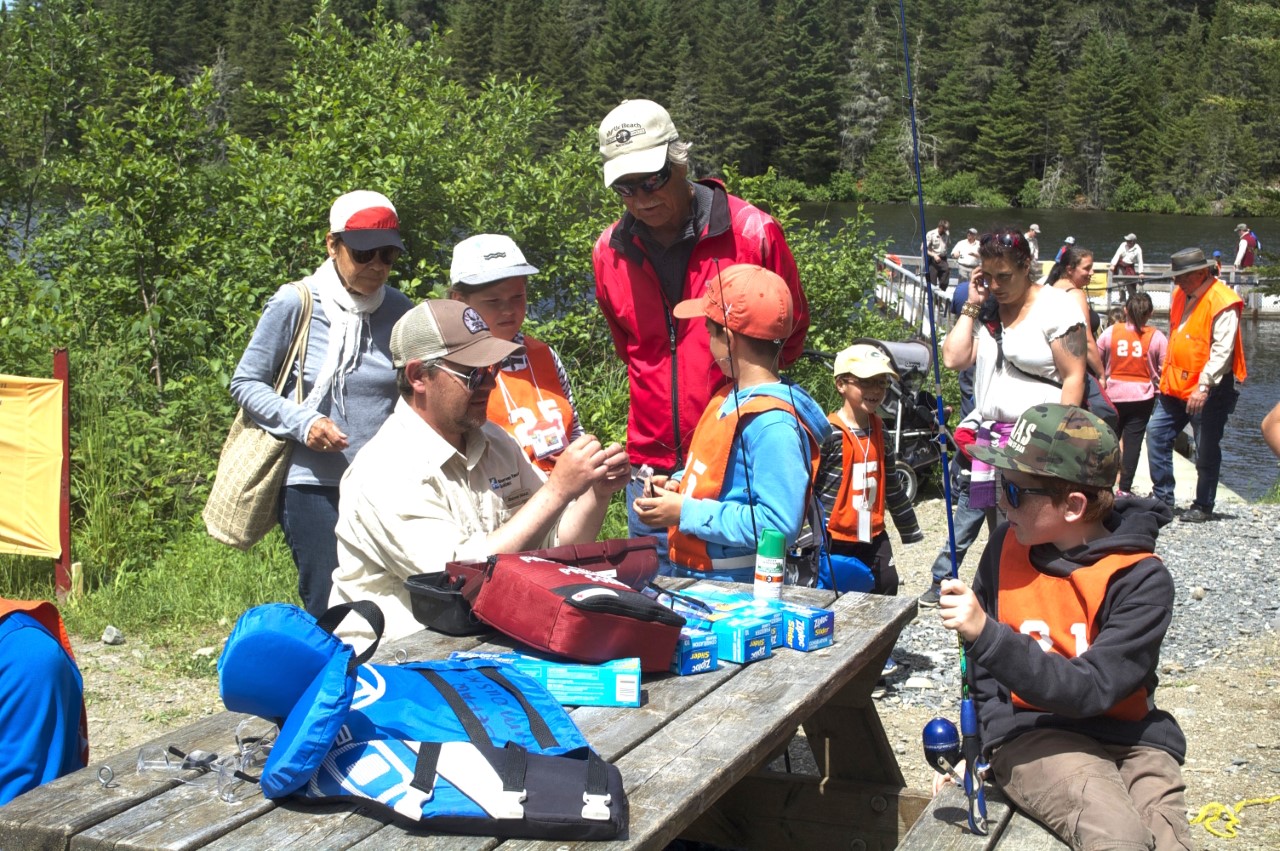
[(1014, 493), (388, 253), (649, 184), (474, 377)]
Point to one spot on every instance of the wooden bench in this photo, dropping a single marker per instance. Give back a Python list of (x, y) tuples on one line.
[(944, 826)]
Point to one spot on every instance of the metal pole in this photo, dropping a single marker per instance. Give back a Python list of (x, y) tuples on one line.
[(62, 372)]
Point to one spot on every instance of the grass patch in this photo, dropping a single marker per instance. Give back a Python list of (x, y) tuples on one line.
[(189, 597)]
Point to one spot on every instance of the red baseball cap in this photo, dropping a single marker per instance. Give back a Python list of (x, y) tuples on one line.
[(748, 300), (366, 220)]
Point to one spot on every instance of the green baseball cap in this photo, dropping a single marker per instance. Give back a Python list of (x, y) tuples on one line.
[(1061, 441)]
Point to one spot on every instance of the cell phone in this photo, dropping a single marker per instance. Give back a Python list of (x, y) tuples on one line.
[(645, 476)]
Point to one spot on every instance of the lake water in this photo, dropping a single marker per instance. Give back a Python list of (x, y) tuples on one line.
[(1248, 466)]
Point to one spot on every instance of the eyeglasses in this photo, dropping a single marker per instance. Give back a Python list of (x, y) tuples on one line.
[(694, 610), (230, 775), (1014, 493), (880, 382), (649, 184), (388, 253), (474, 377)]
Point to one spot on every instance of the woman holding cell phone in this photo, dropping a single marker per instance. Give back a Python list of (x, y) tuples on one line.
[(1027, 341)]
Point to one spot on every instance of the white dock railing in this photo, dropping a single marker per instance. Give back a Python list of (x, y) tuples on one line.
[(901, 290)]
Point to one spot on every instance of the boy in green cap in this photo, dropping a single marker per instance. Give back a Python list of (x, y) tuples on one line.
[(1063, 629)]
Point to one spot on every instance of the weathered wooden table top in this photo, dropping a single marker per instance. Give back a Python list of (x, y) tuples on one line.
[(692, 739)]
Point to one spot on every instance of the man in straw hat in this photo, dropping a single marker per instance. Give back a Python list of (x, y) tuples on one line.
[(676, 235), (1198, 383), (439, 482)]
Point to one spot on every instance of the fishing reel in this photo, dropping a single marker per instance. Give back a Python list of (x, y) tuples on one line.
[(944, 750)]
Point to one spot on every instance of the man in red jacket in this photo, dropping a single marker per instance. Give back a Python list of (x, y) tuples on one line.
[(676, 234)]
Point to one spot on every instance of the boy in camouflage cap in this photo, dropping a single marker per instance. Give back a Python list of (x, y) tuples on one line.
[(1062, 629)]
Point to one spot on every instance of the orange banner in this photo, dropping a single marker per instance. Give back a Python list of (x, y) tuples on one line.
[(30, 465)]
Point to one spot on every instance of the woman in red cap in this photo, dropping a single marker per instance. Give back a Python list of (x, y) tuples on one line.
[(348, 384)]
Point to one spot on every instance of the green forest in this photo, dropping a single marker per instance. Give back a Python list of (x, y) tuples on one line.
[(1146, 106), (167, 164)]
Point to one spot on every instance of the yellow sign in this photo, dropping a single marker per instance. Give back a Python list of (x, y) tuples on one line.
[(30, 465)]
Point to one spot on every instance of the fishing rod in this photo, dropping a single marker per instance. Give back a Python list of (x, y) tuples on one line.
[(942, 747)]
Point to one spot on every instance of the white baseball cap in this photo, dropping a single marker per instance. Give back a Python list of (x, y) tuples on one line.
[(634, 138), (485, 258)]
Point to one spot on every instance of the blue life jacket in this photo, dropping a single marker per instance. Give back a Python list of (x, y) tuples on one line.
[(462, 746)]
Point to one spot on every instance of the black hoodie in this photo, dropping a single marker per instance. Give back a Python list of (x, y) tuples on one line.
[(1074, 693)]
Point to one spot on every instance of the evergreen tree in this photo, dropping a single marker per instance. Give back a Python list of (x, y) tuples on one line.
[(565, 35), (516, 42), (868, 84), (806, 104), (470, 42), (1005, 146), (626, 60), (1099, 113), (1043, 98)]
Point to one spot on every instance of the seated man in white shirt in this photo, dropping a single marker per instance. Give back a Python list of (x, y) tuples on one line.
[(438, 482)]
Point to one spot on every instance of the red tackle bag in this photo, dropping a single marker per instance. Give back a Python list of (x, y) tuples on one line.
[(570, 611)]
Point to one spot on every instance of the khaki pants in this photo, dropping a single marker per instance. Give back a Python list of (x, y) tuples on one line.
[(1096, 796)]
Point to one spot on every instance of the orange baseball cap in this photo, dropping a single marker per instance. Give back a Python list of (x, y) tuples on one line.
[(748, 300)]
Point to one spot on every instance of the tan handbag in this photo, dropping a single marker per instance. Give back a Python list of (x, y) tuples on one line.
[(251, 469)]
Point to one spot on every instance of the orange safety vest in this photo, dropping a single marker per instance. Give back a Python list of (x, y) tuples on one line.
[(1189, 344), (1061, 612), (708, 462), (843, 522), (528, 397), (46, 614), (1131, 354)]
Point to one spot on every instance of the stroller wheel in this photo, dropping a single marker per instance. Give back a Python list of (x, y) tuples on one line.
[(907, 476)]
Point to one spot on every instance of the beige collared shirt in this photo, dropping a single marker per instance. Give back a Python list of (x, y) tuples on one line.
[(410, 502)]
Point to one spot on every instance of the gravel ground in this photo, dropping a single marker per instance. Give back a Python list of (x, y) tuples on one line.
[(1219, 672)]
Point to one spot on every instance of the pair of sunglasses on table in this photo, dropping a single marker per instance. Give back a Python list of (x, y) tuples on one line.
[(235, 776)]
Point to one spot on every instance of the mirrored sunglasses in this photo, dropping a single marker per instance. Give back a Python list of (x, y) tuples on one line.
[(649, 184), (1013, 493), (473, 378)]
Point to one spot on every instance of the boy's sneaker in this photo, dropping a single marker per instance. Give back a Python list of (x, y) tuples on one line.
[(929, 599), (890, 667)]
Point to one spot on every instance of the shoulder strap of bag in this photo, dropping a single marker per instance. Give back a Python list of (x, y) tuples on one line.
[(366, 609), (297, 348)]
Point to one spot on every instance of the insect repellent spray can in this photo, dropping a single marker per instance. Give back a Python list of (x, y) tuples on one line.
[(771, 558)]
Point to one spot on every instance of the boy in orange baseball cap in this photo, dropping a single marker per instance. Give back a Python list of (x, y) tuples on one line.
[(755, 449)]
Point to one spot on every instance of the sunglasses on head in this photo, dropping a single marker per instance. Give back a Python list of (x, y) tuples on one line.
[(388, 253), (473, 378), (1008, 240), (1014, 493), (650, 183)]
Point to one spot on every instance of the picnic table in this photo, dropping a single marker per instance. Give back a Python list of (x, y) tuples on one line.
[(694, 759)]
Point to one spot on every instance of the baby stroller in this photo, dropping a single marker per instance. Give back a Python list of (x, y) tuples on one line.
[(910, 412)]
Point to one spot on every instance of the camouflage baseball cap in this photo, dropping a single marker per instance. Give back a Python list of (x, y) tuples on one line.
[(1061, 441)]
